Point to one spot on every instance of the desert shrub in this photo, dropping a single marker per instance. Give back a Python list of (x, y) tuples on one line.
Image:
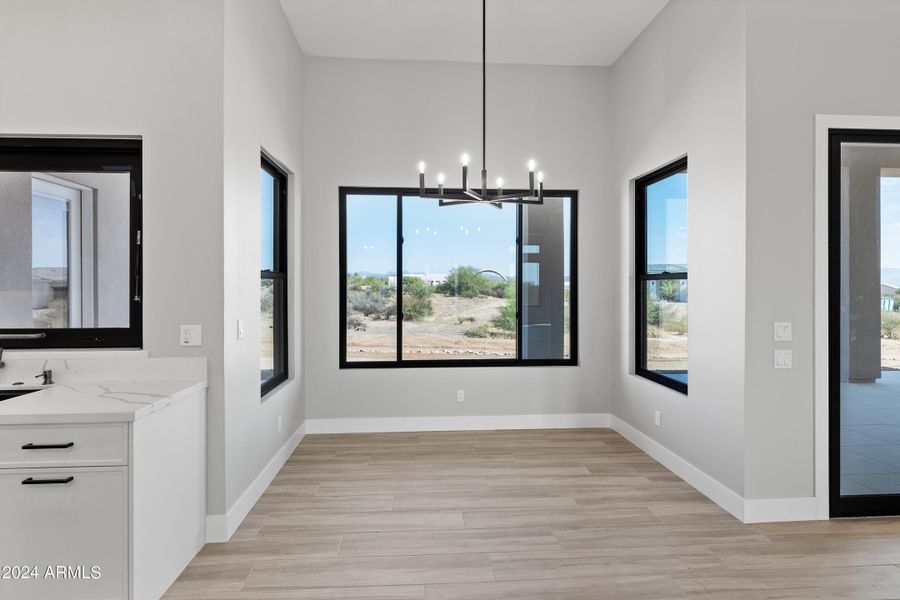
[(479, 331), (376, 305), (506, 319), (416, 298), (468, 282), (356, 323), (890, 325), (460, 320), (652, 311), (668, 290)]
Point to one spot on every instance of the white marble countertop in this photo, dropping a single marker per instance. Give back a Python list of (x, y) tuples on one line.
[(94, 402), (97, 390)]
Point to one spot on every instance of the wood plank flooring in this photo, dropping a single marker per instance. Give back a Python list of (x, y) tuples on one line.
[(520, 515)]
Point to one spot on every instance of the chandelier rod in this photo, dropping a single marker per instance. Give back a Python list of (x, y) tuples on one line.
[(483, 85)]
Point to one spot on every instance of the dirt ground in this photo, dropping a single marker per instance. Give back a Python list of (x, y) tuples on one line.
[(890, 355), (440, 335)]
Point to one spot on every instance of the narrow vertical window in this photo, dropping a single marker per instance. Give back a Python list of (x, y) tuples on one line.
[(273, 276), (661, 264)]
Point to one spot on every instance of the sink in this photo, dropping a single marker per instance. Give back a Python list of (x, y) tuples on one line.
[(7, 394)]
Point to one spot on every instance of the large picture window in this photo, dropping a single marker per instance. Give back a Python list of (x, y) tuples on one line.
[(661, 264), (462, 285), (273, 276)]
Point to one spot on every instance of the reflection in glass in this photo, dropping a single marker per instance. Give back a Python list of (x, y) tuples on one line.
[(371, 278), (546, 279), (64, 250), (459, 289), (869, 334)]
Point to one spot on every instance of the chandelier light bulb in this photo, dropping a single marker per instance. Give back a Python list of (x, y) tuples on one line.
[(440, 179), (499, 182), (421, 166), (540, 177), (531, 165), (464, 159)]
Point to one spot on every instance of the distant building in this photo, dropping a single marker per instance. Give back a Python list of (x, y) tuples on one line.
[(888, 297), (434, 279)]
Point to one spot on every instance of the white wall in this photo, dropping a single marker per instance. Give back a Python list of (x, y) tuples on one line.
[(155, 70), (263, 109), (680, 90), (805, 57), (368, 123)]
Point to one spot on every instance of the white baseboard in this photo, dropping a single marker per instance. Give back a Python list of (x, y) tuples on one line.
[(461, 423), (220, 528), (705, 484), (770, 510)]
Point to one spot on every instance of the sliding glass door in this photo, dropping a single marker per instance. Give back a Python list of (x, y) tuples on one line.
[(864, 305)]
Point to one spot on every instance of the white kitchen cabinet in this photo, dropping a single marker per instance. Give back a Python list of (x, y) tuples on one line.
[(64, 533), (114, 509)]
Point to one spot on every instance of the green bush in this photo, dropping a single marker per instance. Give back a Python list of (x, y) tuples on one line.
[(668, 290), (416, 298), (890, 325), (506, 320), (468, 282), (371, 297)]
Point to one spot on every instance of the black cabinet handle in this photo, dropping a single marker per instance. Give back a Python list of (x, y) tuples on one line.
[(32, 481), (31, 446)]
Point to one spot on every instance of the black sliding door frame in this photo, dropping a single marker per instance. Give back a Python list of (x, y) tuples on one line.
[(399, 362), (855, 505)]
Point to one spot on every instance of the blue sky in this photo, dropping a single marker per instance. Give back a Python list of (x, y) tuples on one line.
[(890, 222), (667, 225), (437, 238), (266, 219)]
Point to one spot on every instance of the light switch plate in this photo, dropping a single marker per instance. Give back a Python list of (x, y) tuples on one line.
[(783, 331), (784, 359), (191, 335), (240, 329)]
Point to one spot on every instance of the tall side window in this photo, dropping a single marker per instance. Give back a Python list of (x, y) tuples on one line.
[(424, 285), (273, 276), (661, 265)]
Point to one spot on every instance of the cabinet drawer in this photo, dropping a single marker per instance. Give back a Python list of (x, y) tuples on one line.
[(63, 445), (64, 538)]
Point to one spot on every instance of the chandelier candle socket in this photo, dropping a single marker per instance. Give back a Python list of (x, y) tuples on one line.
[(494, 197)]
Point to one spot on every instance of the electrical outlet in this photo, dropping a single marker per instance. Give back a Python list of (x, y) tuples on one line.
[(657, 418), (460, 395), (279, 424), (191, 335)]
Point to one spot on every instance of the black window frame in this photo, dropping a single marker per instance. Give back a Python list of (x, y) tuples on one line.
[(399, 363), (280, 304), (642, 276), (81, 155)]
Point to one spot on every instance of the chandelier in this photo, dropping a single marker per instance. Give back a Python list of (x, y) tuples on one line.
[(495, 197)]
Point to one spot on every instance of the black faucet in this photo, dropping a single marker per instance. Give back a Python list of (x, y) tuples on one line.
[(47, 375)]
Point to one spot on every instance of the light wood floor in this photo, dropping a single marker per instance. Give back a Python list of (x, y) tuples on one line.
[(558, 514)]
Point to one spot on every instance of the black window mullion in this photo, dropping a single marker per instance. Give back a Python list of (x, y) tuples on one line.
[(399, 278), (520, 354)]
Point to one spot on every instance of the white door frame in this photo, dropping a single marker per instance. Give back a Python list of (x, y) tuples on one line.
[(820, 330)]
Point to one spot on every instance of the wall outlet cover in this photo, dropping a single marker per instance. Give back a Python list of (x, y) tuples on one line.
[(191, 335), (460, 395), (657, 418)]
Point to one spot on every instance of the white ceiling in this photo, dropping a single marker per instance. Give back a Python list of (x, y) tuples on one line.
[(540, 32)]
